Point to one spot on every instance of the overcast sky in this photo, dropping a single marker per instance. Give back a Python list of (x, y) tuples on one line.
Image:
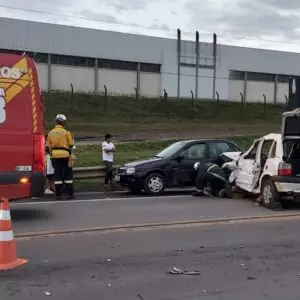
[(271, 24)]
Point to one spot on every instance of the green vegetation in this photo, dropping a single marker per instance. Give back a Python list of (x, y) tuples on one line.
[(91, 155), (89, 115)]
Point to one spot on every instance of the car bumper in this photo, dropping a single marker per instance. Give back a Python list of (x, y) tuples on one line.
[(287, 184), (12, 188), (129, 181)]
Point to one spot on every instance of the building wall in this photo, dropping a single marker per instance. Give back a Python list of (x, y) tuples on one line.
[(42, 70), (67, 40), (81, 78), (235, 88), (117, 82), (150, 85), (282, 91), (255, 91)]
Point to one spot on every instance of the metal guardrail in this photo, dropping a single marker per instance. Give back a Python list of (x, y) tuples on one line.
[(89, 172)]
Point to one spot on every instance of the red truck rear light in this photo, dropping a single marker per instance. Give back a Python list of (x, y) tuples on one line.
[(38, 152), (284, 169)]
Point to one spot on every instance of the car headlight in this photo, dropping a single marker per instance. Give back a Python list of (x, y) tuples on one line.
[(130, 171)]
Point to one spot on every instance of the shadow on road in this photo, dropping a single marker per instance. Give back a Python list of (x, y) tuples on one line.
[(28, 214), (290, 205)]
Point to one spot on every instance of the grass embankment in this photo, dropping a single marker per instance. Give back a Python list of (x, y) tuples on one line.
[(149, 117), (91, 155)]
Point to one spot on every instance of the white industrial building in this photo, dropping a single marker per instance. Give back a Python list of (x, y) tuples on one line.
[(89, 59)]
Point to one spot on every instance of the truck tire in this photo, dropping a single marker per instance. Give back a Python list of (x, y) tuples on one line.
[(154, 184), (270, 197)]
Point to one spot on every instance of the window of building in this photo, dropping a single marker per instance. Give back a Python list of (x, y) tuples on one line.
[(117, 64), (37, 56), (253, 76), (236, 75), (283, 78), (68, 60), (151, 68)]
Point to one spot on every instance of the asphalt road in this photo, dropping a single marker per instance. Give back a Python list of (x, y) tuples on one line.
[(124, 211), (236, 261)]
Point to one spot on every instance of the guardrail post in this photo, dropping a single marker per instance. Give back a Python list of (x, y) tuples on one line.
[(218, 102), (192, 102), (242, 103), (265, 104), (105, 98)]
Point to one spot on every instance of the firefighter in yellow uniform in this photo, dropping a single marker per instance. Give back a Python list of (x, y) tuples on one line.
[(60, 143)]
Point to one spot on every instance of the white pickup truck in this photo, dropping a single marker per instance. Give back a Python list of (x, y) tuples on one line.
[(270, 168)]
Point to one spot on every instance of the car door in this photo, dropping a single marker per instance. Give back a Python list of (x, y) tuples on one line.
[(249, 167), (184, 172)]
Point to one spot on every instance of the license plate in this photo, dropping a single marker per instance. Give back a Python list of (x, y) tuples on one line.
[(117, 178)]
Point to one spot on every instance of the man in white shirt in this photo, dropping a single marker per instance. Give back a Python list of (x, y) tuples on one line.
[(108, 150)]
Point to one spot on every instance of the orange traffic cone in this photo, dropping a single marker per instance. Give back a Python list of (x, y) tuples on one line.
[(8, 251)]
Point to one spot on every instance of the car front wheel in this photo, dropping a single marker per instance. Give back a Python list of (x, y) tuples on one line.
[(154, 184)]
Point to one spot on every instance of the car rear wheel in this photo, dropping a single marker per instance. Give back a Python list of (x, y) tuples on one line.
[(269, 196), (154, 184)]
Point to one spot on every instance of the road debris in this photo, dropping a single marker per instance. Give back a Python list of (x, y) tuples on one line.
[(176, 271), (251, 278)]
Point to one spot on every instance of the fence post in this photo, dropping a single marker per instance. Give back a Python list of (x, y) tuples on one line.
[(286, 102), (72, 96), (165, 96), (218, 102), (105, 98), (192, 102), (265, 104), (242, 103)]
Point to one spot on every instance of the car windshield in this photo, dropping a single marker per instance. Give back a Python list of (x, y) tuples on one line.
[(171, 150)]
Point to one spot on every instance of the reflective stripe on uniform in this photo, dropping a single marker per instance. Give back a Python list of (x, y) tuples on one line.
[(68, 181), (199, 191), (211, 167), (5, 215), (58, 182), (218, 176), (6, 236)]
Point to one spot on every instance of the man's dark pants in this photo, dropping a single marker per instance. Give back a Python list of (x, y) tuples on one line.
[(216, 183), (62, 175), (109, 172)]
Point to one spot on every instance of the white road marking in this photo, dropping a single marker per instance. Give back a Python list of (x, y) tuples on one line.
[(96, 200)]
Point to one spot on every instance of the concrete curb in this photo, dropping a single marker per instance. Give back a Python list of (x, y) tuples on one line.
[(207, 222)]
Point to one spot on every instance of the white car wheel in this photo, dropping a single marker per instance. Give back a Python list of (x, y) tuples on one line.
[(267, 194), (154, 184)]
